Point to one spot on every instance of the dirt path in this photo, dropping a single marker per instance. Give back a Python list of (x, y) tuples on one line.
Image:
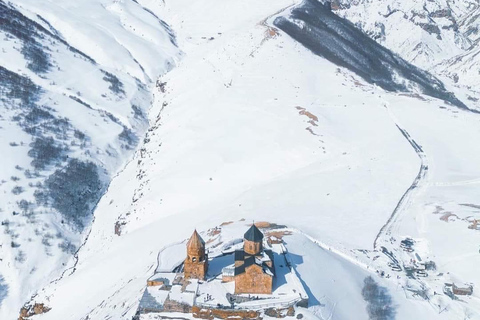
[(270, 31)]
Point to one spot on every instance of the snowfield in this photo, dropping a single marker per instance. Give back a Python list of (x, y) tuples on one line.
[(250, 124), (74, 95)]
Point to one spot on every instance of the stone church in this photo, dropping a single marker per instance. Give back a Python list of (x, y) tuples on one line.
[(252, 272)]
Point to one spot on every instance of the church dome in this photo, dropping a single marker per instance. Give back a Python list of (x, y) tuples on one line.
[(196, 242), (253, 234)]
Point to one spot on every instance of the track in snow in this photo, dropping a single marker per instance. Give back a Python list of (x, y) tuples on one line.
[(407, 197)]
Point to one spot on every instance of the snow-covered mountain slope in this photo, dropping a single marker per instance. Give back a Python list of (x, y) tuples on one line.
[(75, 89), (464, 70), (441, 35), (315, 26), (423, 32), (254, 125)]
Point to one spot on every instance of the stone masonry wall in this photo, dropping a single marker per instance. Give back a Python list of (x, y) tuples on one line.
[(253, 280), (195, 270), (207, 313), (174, 306)]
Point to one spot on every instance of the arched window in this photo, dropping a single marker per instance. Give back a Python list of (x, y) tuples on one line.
[(194, 259)]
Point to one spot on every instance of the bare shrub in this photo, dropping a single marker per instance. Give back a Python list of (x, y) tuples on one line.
[(116, 86), (17, 190), (73, 191), (44, 152), (67, 247), (379, 302)]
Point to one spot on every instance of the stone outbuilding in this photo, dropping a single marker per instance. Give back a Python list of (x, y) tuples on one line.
[(462, 290)]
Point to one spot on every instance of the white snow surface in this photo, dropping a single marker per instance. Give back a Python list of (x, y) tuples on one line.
[(84, 41), (254, 126)]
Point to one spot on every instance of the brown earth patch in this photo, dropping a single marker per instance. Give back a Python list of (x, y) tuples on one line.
[(263, 224), (305, 112), (278, 234), (445, 217), (37, 308), (214, 231)]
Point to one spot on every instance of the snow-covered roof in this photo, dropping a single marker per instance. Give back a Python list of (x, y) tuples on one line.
[(157, 294), (177, 295), (192, 285), (166, 277), (253, 260)]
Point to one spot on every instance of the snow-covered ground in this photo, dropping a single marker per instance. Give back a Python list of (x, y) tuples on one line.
[(253, 125), (437, 35), (75, 89)]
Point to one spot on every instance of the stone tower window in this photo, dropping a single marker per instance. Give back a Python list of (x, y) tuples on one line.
[(194, 259)]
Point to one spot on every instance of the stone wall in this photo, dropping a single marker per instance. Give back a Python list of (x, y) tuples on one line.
[(253, 280), (462, 291), (228, 278), (280, 313), (251, 247), (195, 269), (207, 313), (153, 283), (175, 306)]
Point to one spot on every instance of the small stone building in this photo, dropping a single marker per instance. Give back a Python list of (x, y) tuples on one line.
[(196, 263), (253, 270), (462, 290)]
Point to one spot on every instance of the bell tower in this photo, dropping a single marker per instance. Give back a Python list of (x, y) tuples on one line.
[(253, 240), (196, 263)]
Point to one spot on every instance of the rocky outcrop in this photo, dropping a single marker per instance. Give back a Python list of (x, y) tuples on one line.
[(28, 311), (280, 313)]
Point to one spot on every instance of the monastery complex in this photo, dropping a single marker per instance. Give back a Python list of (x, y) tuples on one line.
[(240, 278)]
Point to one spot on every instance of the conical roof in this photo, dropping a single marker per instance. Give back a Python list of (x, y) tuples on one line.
[(195, 242), (253, 234)]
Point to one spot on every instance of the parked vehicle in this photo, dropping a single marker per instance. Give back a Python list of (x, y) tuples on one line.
[(421, 273)]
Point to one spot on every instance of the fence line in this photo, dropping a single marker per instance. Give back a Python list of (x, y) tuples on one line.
[(255, 306)]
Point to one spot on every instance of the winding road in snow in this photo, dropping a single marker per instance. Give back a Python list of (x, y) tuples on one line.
[(416, 187)]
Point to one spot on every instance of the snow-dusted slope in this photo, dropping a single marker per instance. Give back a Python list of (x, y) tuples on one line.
[(439, 35), (317, 28), (75, 89), (253, 125), (423, 32)]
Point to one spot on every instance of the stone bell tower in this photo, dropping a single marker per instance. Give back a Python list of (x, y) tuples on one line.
[(196, 263), (253, 239)]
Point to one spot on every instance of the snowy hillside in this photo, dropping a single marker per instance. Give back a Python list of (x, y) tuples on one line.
[(440, 35), (74, 95), (277, 111)]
